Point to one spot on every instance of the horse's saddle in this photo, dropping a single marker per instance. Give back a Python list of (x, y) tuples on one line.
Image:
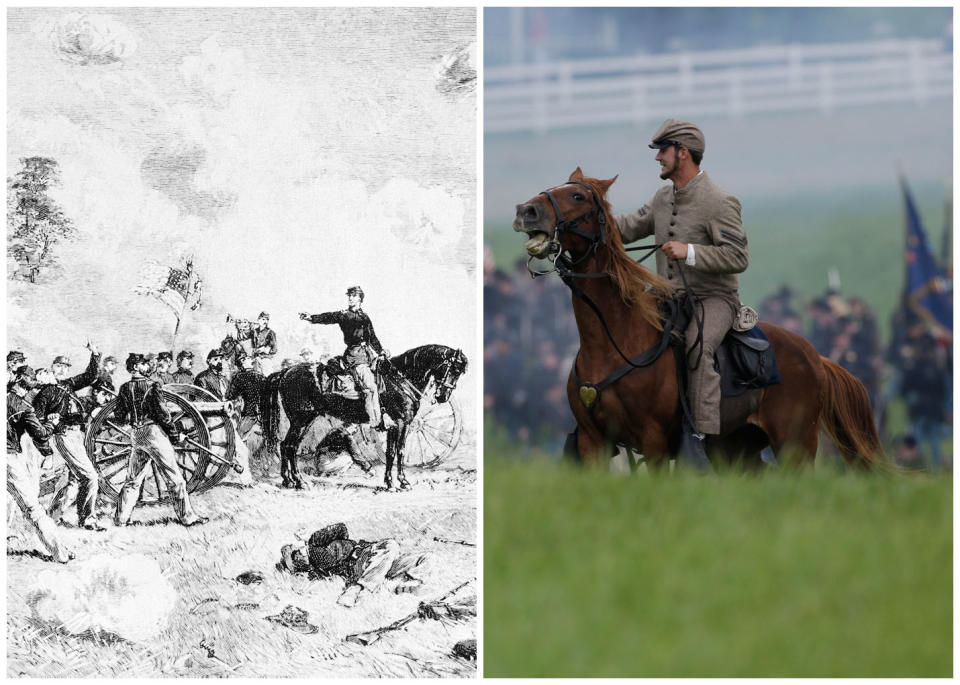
[(335, 376), (745, 361)]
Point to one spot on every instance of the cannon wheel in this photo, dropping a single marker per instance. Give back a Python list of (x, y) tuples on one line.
[(223, 434), (432, 436), (108, 445)]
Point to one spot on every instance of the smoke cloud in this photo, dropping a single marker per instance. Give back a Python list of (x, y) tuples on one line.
[(91, 39)]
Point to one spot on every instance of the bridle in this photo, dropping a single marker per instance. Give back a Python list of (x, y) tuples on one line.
[(456, 360), (570, 226)]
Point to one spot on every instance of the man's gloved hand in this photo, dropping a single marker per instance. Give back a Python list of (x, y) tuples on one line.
[(304, 316)]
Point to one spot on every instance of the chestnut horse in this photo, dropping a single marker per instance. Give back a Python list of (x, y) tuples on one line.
[(618, 308)]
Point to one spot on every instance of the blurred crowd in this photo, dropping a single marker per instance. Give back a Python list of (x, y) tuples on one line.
[(530, 342)]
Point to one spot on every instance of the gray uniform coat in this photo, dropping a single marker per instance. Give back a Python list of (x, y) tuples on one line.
[(705, 215)]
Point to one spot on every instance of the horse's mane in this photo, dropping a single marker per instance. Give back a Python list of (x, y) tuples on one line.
[(418, 362), (639, 287)]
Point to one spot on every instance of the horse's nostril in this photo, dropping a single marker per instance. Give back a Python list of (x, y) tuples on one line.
[(530, 212)]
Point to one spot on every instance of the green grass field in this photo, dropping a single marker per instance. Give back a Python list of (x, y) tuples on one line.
[(784, 575)]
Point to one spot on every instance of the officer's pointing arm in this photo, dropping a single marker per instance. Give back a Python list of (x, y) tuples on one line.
[(327, 317)]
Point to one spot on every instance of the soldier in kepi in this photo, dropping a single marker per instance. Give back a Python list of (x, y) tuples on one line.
[(213, 377), (152, 436), (162, 372), (699, 227), (184, 372), (363, 349), (264, 341), (59, 397), (23, 482)]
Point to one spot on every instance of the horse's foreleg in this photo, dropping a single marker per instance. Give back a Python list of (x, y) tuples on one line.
[(391, 446), (400, 441), (289, 471), (593, 448)]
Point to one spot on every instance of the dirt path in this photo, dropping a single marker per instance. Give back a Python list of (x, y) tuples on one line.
[(246, 530)]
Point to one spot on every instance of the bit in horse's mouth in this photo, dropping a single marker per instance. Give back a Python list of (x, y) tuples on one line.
[(538, 244)]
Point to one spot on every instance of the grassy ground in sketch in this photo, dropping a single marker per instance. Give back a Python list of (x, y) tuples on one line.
[(786, 575), (246, 531)]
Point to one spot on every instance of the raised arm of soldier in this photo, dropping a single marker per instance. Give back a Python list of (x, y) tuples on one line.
[(90, 374)]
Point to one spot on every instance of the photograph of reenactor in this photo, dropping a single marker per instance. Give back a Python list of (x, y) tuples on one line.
[(213, 377), (363, 351), (264, 341), (152, 435), (23, 473), (246, 386), (106, 372), (363, 565), (703, 249), (184, 372), (59, 397), (162, 372)]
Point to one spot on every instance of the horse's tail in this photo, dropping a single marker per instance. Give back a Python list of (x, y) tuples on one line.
[(270, 410), (848, 418)]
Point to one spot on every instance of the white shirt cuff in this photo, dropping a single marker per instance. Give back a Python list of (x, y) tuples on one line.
[(691, 259)]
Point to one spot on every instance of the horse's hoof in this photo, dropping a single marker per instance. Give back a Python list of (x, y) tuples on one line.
[(405, 484), (298, 485), (388, 486)]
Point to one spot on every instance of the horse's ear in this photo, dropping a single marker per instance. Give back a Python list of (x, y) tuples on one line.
[(605, 185), (577, 175)]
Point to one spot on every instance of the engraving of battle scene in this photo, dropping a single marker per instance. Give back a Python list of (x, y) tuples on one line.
[(241, 323)]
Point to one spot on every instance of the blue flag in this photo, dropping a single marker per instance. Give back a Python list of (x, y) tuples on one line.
[(928, 290)]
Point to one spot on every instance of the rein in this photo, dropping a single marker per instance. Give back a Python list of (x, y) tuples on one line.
[(564, 265)]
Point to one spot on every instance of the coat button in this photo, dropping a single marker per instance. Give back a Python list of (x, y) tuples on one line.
[(673, 222), (674, 212), (670, 277), (671, 233)]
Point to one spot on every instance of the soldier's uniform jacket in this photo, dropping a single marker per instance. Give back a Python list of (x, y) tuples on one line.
[(217, 383), (60, 397), (705, 215), (264, 338), (332, 552), (139, 402), (357, 333), (21, 419), (247, 385), (163, 377), (181, 376)]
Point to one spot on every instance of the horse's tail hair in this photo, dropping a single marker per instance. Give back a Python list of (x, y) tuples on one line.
[(270, 411), (847, 418)]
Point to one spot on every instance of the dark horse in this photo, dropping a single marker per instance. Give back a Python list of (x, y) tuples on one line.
[(641, 409), (430, 368)]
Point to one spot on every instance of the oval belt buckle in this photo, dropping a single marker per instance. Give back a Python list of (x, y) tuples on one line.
[(588, 395)]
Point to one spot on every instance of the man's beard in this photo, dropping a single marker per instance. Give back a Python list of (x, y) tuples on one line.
[(217, 367)]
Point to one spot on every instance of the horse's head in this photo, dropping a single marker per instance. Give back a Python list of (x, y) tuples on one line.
[(569, 217), (448, 373)]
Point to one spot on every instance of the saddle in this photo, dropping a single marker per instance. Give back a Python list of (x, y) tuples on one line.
[(744, 359), (335, 377)]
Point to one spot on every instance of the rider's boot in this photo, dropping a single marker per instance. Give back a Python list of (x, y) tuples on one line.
[(692, 453)]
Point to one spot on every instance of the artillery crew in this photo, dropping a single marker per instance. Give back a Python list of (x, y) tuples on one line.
[(106, 372), (59, 397), (363, 349), (152, 434), (23, 482)]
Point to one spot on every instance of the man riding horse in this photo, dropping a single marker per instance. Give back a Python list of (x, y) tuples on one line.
[(698, 223), (363, 350)]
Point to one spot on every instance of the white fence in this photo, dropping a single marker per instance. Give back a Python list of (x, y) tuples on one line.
[(540, 97)]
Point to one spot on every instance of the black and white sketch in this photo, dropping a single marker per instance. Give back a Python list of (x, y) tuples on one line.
[(241, 305)]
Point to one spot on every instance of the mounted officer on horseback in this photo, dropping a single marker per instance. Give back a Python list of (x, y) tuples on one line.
[(624, 389)]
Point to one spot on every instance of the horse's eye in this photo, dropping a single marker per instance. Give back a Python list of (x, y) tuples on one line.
[(578, 197)]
